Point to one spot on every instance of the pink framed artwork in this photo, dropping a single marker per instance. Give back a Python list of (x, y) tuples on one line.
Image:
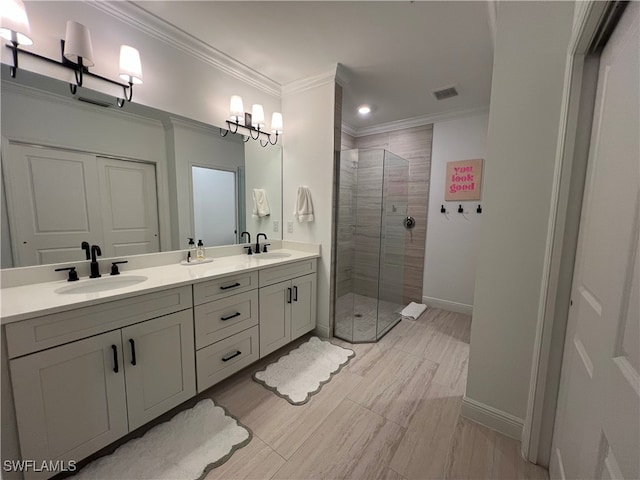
[(464, 180)]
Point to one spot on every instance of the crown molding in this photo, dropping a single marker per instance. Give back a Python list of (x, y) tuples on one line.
[(415, 121), (349, 130), (148, 23), (72, 102), (309, 83)]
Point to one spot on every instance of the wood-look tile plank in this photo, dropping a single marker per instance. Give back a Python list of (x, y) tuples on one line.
[(395, 386), (255, 461), (282, 426), (471, 453), (353, 443), (423, 450)]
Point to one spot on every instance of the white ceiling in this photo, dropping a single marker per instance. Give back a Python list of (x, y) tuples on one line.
[(394, 53)]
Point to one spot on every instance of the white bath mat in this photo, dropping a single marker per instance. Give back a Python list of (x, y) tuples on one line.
[(186, 447), (301, 373), (413, 310)]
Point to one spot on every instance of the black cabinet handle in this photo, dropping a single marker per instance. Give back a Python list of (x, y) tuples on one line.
[(226, 359), (115, 358), (229, 317), (230, 286), (295, 294), (133, 351), (288, 295)]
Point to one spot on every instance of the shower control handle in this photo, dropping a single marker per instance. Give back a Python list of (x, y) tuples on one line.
[(409, 222)]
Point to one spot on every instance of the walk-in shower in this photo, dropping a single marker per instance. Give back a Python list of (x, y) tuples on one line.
[(370, 242)]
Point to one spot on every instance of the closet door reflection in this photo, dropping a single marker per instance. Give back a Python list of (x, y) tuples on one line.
[(215, 209)]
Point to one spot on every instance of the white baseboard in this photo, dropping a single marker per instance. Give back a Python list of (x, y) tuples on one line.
[(493, 418), (322, 331), (447, 305)]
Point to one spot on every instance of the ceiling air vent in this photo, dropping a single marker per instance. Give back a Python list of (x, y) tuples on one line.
[(443, 93), (99, 103)]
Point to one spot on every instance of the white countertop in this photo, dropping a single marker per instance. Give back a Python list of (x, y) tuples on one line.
[(28, 301)]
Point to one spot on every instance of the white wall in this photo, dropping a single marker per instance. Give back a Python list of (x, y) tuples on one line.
[(308, 160), (452, 239), (524, 120), (264, 170)]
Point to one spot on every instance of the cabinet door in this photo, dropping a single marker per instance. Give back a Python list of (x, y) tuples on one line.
[(70, 400), (303, 308), (159, 364), (275, 317)]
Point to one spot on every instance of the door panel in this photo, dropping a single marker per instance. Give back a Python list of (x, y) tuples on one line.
[(303, 308), (275, 317), (164, 372), (69, 400), (51, 203), (129, 207), (596, 433)]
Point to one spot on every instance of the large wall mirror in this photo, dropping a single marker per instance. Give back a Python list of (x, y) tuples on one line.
[(136, 180)]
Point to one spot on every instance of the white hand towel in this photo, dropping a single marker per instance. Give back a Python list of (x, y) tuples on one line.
[(260, 203), (413, 310), (304, 205)]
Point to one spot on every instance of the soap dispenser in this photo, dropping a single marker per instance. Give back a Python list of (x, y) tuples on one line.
[(200, 251), (192, 250)]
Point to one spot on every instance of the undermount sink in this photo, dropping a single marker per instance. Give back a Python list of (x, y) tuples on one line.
[(94, 285), (272, 255)]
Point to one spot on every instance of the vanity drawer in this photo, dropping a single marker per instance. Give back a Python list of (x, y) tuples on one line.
[(224, 287), (52, 330), (269, 276), (217, 320), (222, 359)]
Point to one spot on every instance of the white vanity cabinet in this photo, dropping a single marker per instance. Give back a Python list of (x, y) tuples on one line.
[(75, 398), (226, 326), (287, 304)]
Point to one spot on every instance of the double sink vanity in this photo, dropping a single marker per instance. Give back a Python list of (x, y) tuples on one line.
[(95, 359)]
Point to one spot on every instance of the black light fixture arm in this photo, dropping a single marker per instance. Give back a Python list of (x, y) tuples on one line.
[(79, 69), (233, 127)]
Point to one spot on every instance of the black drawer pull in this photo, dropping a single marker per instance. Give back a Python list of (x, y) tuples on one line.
[(229, 317), (230, 286), (226, 359), (288, 295), (115, 358), (133, 351), (295, 294)]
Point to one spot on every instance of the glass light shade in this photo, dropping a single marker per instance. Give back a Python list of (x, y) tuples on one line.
[(276, 123), (236, 109), (14, 23), (257, 116), (130, 66), (77, 44)]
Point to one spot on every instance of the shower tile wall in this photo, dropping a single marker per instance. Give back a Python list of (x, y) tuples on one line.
[(414, 145)]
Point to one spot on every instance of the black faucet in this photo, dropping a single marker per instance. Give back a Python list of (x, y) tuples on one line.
[(248, 240), (258, 241), (95, 266), (85, 246)]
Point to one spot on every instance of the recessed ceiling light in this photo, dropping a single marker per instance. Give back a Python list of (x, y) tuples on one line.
[(364, 109)]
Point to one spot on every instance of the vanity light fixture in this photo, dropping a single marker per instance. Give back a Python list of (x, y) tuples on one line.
[(250, 124), (76, 48)]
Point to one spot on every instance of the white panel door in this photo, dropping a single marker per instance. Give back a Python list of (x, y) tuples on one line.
[(129, 207), (159, 365), (52, 204), (70, 400), (597, 430), (215, 209)]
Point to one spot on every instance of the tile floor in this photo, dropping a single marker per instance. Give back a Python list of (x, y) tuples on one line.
[(360, 318), (392, 413)]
